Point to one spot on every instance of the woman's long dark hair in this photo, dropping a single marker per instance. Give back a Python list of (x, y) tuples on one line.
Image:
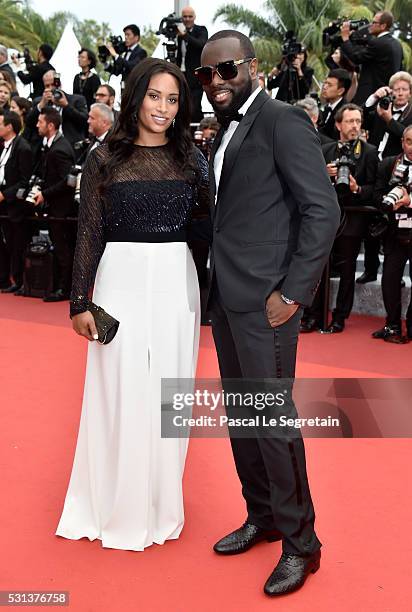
[(121, 141)]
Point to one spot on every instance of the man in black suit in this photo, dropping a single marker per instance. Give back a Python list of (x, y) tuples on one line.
[(57, 161), (397, 243), (275, 216), (72, 109), (379, 59), (191, 40), (359, 193), (310, 106), (334, 89), (15, 171), (124, 64), (4, 63), (35, 72)]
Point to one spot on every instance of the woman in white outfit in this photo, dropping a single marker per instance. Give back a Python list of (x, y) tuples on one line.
[(138, 195)]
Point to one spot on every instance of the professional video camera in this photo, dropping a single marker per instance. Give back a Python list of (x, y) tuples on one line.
[(118, 45), (73, 180), (291, 47), (28, 60), (331, 34), (168, 28), (401, 178), (346, 164)]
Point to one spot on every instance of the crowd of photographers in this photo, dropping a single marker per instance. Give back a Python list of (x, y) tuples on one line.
[(363, 117)]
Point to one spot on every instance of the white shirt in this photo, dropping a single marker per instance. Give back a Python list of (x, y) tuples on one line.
[(332, 107), (220, 153), (129, 51), (396, 114), (5, 154), (98, 141)]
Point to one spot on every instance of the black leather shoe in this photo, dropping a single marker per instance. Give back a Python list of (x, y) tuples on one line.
[(11, 289), (291, 572), (335, 328), (20, 291), (366, 278), (309, 325), (387, 332), (56, 296), (244, 538)]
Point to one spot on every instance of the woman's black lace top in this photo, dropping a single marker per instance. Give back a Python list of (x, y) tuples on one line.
[(149, 200)]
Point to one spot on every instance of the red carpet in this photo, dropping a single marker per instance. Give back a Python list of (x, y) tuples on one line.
[(361, 488)]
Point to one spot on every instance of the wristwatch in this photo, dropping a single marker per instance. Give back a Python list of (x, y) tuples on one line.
[(288, 301)]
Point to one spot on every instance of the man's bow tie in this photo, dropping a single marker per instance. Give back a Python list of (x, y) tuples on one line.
[(227, 119)]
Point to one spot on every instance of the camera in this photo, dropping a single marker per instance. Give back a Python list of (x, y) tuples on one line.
[(386, 101), (118, 45), (168, 29), (35, 185), (291, 47), (28, 60), (331, 34), (346, 163), (56, 90), (73, 180), (401, 177)]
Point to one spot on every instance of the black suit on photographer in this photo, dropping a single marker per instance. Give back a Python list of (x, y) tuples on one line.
[(190, 43), (387, 112), (356, 190), (126, 56), (35, 71), (57, 196), (292, 76), (15, 171), (396, 172), (381, 57)]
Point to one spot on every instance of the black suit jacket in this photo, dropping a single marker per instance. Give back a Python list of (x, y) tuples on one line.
[(56, 165), (379, 60), (276, 213), (17, 174), (377, 128), (195, 40), (35, 76), (365, 175), (123, 66), (328, 128)]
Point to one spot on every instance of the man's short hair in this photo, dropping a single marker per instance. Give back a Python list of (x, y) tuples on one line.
[(47, 51), (401, 76), (309, 105), (105, 110), (110, 90), (347, 107), (3, 51), (246, 45), (133, 28), (407, 129), (13, 119), (386, 18), (342, 76), (209, 123), (52, 115)]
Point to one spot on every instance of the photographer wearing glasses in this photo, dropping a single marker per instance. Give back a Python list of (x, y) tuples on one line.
[(191, 40), (35, 71), (129, 58), (380, 58), (387, 112), (393, 196)]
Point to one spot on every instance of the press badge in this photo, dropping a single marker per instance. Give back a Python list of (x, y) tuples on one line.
[(404, 221)]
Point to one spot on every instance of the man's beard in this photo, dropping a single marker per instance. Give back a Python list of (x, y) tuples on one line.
[(238, 100)]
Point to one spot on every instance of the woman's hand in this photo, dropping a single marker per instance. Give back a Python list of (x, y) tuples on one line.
[(83, 324)]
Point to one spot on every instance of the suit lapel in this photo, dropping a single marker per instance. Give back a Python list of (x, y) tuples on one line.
[(212, 178)]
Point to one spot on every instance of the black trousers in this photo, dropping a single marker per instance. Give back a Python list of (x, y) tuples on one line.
[(4, 260), (196, 95), (346, 251), (372, 262), (393, 269), (16, 235), (272, 470), (62, 235)]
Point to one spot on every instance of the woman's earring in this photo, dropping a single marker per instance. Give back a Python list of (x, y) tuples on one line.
[(134, 117), (173, 122)]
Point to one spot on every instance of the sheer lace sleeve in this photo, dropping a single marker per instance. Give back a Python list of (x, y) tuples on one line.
[(202, 209), (90, 235)]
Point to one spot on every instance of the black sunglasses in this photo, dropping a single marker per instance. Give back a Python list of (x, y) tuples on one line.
[(226, 70)]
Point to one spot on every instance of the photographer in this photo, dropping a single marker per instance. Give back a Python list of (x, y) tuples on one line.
[(100, 121), (378, 60), (58, 159), (292, 76), (387, 112), (15, 171), (334, 89), (71, 108), (87, 82), (394, 172), (124, 63), (35, 71), (351, 164), (191, 40)]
